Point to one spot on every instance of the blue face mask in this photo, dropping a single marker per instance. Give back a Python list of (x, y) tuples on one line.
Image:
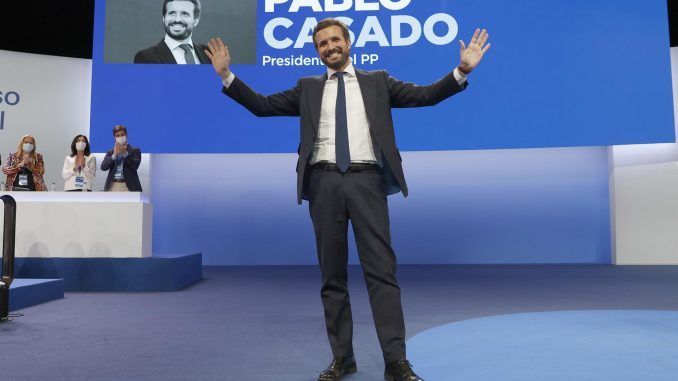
[(27, 147)]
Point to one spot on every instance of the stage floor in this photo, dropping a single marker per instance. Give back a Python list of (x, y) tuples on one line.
[(265, 323)]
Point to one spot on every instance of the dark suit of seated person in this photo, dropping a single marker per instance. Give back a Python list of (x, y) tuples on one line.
[(179, 18), (122, 163)]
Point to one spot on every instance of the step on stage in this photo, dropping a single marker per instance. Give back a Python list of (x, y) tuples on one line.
[(157, 273), (30, 292)]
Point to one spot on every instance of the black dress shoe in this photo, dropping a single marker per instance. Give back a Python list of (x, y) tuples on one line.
[(400, 370), (339, 367)]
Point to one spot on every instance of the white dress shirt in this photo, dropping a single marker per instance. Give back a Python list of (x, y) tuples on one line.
[(178, 52), (359, 139), (88, 172)]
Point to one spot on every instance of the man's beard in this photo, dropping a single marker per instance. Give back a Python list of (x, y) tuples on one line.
[(182, 36), (337, 65)]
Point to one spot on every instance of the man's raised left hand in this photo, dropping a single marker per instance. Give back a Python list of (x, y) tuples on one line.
[(472, 54)]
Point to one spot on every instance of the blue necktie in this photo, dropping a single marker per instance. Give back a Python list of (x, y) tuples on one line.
[(343, 154)]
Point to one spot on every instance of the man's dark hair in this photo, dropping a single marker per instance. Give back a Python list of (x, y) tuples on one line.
[(119, 127), (196, 7), (75, 140), (326, 23)]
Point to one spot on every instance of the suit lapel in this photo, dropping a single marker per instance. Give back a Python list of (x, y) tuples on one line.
[(316, 89), (201, 54), (369, 93), (164, 53)]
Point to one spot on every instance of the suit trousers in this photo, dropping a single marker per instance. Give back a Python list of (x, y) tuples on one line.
[(334, 199)]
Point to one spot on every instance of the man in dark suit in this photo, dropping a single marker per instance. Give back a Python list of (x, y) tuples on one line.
[(122, 163), (179, 18), (348, 164)]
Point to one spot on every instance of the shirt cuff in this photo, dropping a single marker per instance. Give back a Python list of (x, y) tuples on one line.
[(459, 76), (228, 80), (114, 156)]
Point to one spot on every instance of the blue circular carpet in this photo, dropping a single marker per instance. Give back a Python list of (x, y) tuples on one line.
[(551, 346)]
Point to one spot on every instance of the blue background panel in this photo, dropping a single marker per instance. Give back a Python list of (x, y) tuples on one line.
[(499, 206), (559, 73)]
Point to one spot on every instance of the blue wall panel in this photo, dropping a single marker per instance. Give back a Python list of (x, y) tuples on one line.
[(560, 73), (497, 206)]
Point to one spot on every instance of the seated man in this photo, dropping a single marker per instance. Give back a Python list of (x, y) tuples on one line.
[(122, 163)]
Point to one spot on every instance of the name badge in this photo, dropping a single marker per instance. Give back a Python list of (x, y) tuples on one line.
[(79, 181), (23, 180)]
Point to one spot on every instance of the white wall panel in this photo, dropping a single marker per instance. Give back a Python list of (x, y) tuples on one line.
[(644, 184)]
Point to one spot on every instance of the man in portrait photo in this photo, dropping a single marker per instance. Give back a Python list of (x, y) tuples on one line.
[(179, 18)]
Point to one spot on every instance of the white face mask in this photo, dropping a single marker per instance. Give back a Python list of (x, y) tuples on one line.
[(27, 147), (121, 140), (80, 146)]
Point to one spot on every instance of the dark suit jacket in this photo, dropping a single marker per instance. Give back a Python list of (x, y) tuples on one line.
[(380, 92), (161, 54), (129, 169)]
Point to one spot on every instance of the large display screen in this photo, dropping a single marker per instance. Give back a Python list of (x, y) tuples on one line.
[(559, 73)]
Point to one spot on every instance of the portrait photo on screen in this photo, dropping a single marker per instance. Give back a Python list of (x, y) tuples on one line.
[(177, 31)]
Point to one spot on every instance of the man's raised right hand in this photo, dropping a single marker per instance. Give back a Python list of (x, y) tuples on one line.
[(218, 54)]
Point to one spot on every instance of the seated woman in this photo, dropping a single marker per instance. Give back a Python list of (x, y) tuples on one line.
[(80, 167), (25, 168)]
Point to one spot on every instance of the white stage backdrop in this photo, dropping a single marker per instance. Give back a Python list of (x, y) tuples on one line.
[(644, 186), (47, 97)]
